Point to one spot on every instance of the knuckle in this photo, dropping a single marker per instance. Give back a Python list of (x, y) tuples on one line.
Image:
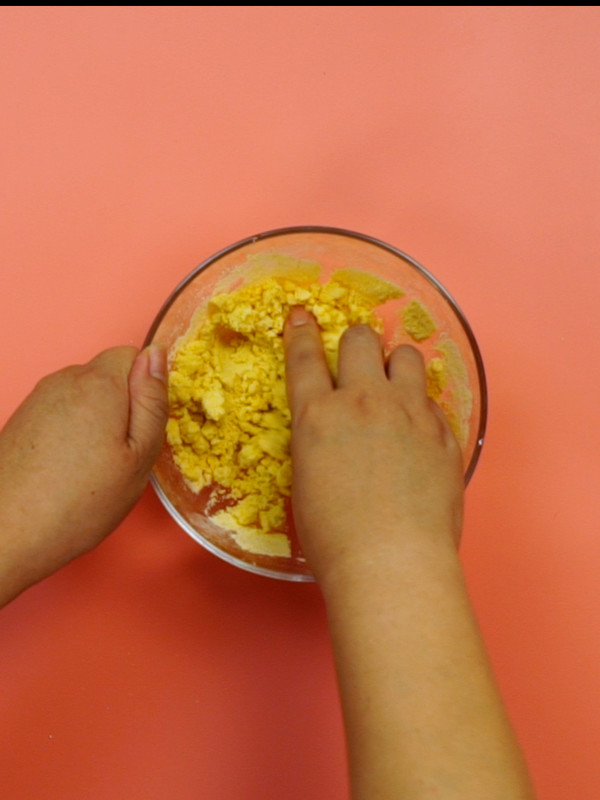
[(366, 402), (303, 352), (312, 418), (57, 383), (368, 405), (114, 357), (82, 384), (156, 408), (88, 382)]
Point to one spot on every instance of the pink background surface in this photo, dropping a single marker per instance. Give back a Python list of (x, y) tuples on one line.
[(137, 142)]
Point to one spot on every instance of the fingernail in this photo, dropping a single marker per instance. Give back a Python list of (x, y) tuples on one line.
[(298, 316), (157, 359)]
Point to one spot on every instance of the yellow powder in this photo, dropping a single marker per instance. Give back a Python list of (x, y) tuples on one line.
[(448, 385), (229, 425), (437, 378), (417, 321), (458, 406)]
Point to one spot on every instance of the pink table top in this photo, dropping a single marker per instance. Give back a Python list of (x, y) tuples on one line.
[(138, 141)]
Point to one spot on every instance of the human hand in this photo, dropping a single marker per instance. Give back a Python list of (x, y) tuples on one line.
[(377, 489), (376, 467), (74, 459)]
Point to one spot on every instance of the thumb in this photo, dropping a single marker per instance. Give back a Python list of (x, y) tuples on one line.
[(148, 405)]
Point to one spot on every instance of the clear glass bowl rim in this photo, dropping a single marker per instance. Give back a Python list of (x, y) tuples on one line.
[(321, 229)]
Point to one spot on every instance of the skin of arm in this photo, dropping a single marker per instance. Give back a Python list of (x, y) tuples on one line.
[(377, 496), (74, 459)]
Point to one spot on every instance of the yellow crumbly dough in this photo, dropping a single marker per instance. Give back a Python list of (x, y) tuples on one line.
[(417, 321), (229, 425)]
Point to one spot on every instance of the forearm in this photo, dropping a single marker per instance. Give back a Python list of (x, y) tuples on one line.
[(25, 557), (15, 575), (423, 715)]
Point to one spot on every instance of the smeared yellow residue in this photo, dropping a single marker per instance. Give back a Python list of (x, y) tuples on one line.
[(437, 378), (448, 385)]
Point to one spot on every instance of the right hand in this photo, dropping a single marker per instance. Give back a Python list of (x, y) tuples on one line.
[(376, 467)]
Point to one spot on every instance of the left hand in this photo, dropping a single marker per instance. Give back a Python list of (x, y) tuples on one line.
[(74, 459)]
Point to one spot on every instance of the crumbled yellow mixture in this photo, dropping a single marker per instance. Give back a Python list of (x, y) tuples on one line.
[(449, 370), (229, 426), (437, 378), (417, 321)]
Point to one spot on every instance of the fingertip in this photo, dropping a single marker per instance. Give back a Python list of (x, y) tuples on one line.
[(298, 316), (298, 320), (406, 370), (409, 351), (405, 356)]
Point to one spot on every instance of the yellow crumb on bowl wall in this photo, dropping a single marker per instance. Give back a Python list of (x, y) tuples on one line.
[(437, 378), (229, 425), (417, 321), (448, 386), (253, 540), (454, 373)]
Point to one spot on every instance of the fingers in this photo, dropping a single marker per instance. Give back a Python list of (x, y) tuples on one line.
[(360, 357), (361, 361), (307, 373), (406, 371), (148, 406)]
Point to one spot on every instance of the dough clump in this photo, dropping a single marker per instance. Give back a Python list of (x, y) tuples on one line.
[(229, 425)]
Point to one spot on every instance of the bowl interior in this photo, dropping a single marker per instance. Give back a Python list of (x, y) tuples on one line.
[(332, 249)]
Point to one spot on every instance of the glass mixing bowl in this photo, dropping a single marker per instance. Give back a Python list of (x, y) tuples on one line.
[(453, 339)]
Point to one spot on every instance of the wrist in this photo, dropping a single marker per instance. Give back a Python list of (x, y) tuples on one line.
[(371, 572), (29, 551)]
